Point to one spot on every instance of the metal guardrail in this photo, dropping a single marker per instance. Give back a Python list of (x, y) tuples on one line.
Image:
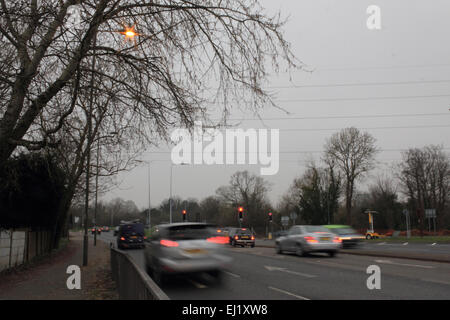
[(132, 282)]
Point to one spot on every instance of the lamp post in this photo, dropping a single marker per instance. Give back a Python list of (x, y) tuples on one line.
[(111, 135)]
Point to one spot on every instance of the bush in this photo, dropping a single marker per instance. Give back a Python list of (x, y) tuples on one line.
[(31, 188)]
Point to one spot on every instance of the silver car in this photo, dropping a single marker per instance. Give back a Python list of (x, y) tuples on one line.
[(183, 248), (305, 239)]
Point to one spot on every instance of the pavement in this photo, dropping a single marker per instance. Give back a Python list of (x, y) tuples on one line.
[(46, 279)]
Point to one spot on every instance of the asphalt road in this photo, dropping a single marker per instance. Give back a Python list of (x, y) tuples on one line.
[(261, 274)]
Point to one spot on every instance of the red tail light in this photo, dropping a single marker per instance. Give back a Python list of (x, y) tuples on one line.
[(311, 239), (337, 240), (122, 238), (218, 239), (236, 238), (145, 238), (253, 237), (169, 243)]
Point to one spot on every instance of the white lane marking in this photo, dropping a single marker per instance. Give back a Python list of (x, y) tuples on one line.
[(406, 243), (433, 244), (270, 268), (232, 274), (436, 281), (198, 285), (380, 244), (289, 293), (404, 264)]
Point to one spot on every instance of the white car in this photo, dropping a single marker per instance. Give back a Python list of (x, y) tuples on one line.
[(305, 239), (185, 248)]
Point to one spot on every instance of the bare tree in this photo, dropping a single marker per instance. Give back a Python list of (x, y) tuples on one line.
[(353, 152), (425, 177), (249, 191), (175, 50)]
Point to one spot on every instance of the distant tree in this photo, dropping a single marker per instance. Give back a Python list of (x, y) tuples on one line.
[(316, 195), (250, 192), (353, 152), (425, 179)]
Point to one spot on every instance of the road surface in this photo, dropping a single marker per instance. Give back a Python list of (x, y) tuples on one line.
[(261, 274)]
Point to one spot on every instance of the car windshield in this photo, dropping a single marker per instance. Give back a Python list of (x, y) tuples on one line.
[(190, 232), (344, 231), (243, 232), (311, 229), (137, 228)]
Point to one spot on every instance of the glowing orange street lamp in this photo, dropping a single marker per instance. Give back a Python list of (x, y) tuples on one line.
[(129, 33)]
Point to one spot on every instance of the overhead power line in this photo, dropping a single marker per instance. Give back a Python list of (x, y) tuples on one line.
[(357, 84), (343, 117)]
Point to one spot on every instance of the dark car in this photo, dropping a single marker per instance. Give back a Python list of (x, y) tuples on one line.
[(242, 237), (349, 236), (131, 235)]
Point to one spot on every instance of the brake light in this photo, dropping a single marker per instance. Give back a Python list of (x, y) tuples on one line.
[(122, 238), (236, 237), (337, 240), (168, 243), (311, 239), (218, 239), (253, 237)]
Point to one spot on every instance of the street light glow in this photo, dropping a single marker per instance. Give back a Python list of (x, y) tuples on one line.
[(129, 33)]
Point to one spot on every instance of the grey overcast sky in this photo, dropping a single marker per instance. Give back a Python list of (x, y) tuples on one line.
[(359, 77)]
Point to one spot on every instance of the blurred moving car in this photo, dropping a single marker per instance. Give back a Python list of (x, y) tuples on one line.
[(242, 237), (105, 229), (131, 235), (99, 230), (305, 239), (349, 236), (184, 248), (116, 231)]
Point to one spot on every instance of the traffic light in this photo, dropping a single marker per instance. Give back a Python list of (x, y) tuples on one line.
[(241, 210), (270, 216), (184, 215)]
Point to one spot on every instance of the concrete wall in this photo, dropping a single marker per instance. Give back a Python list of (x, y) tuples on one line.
[(20, 246)]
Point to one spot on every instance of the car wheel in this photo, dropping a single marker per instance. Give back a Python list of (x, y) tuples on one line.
[(217, 275), (253, 245), (332, 253), (368, 237), (233, 243), (299, 251)]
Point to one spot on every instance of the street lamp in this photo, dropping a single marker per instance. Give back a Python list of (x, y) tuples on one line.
[(110, 135)]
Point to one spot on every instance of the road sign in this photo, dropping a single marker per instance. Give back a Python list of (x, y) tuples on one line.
[(430, 213), (285, 221)]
